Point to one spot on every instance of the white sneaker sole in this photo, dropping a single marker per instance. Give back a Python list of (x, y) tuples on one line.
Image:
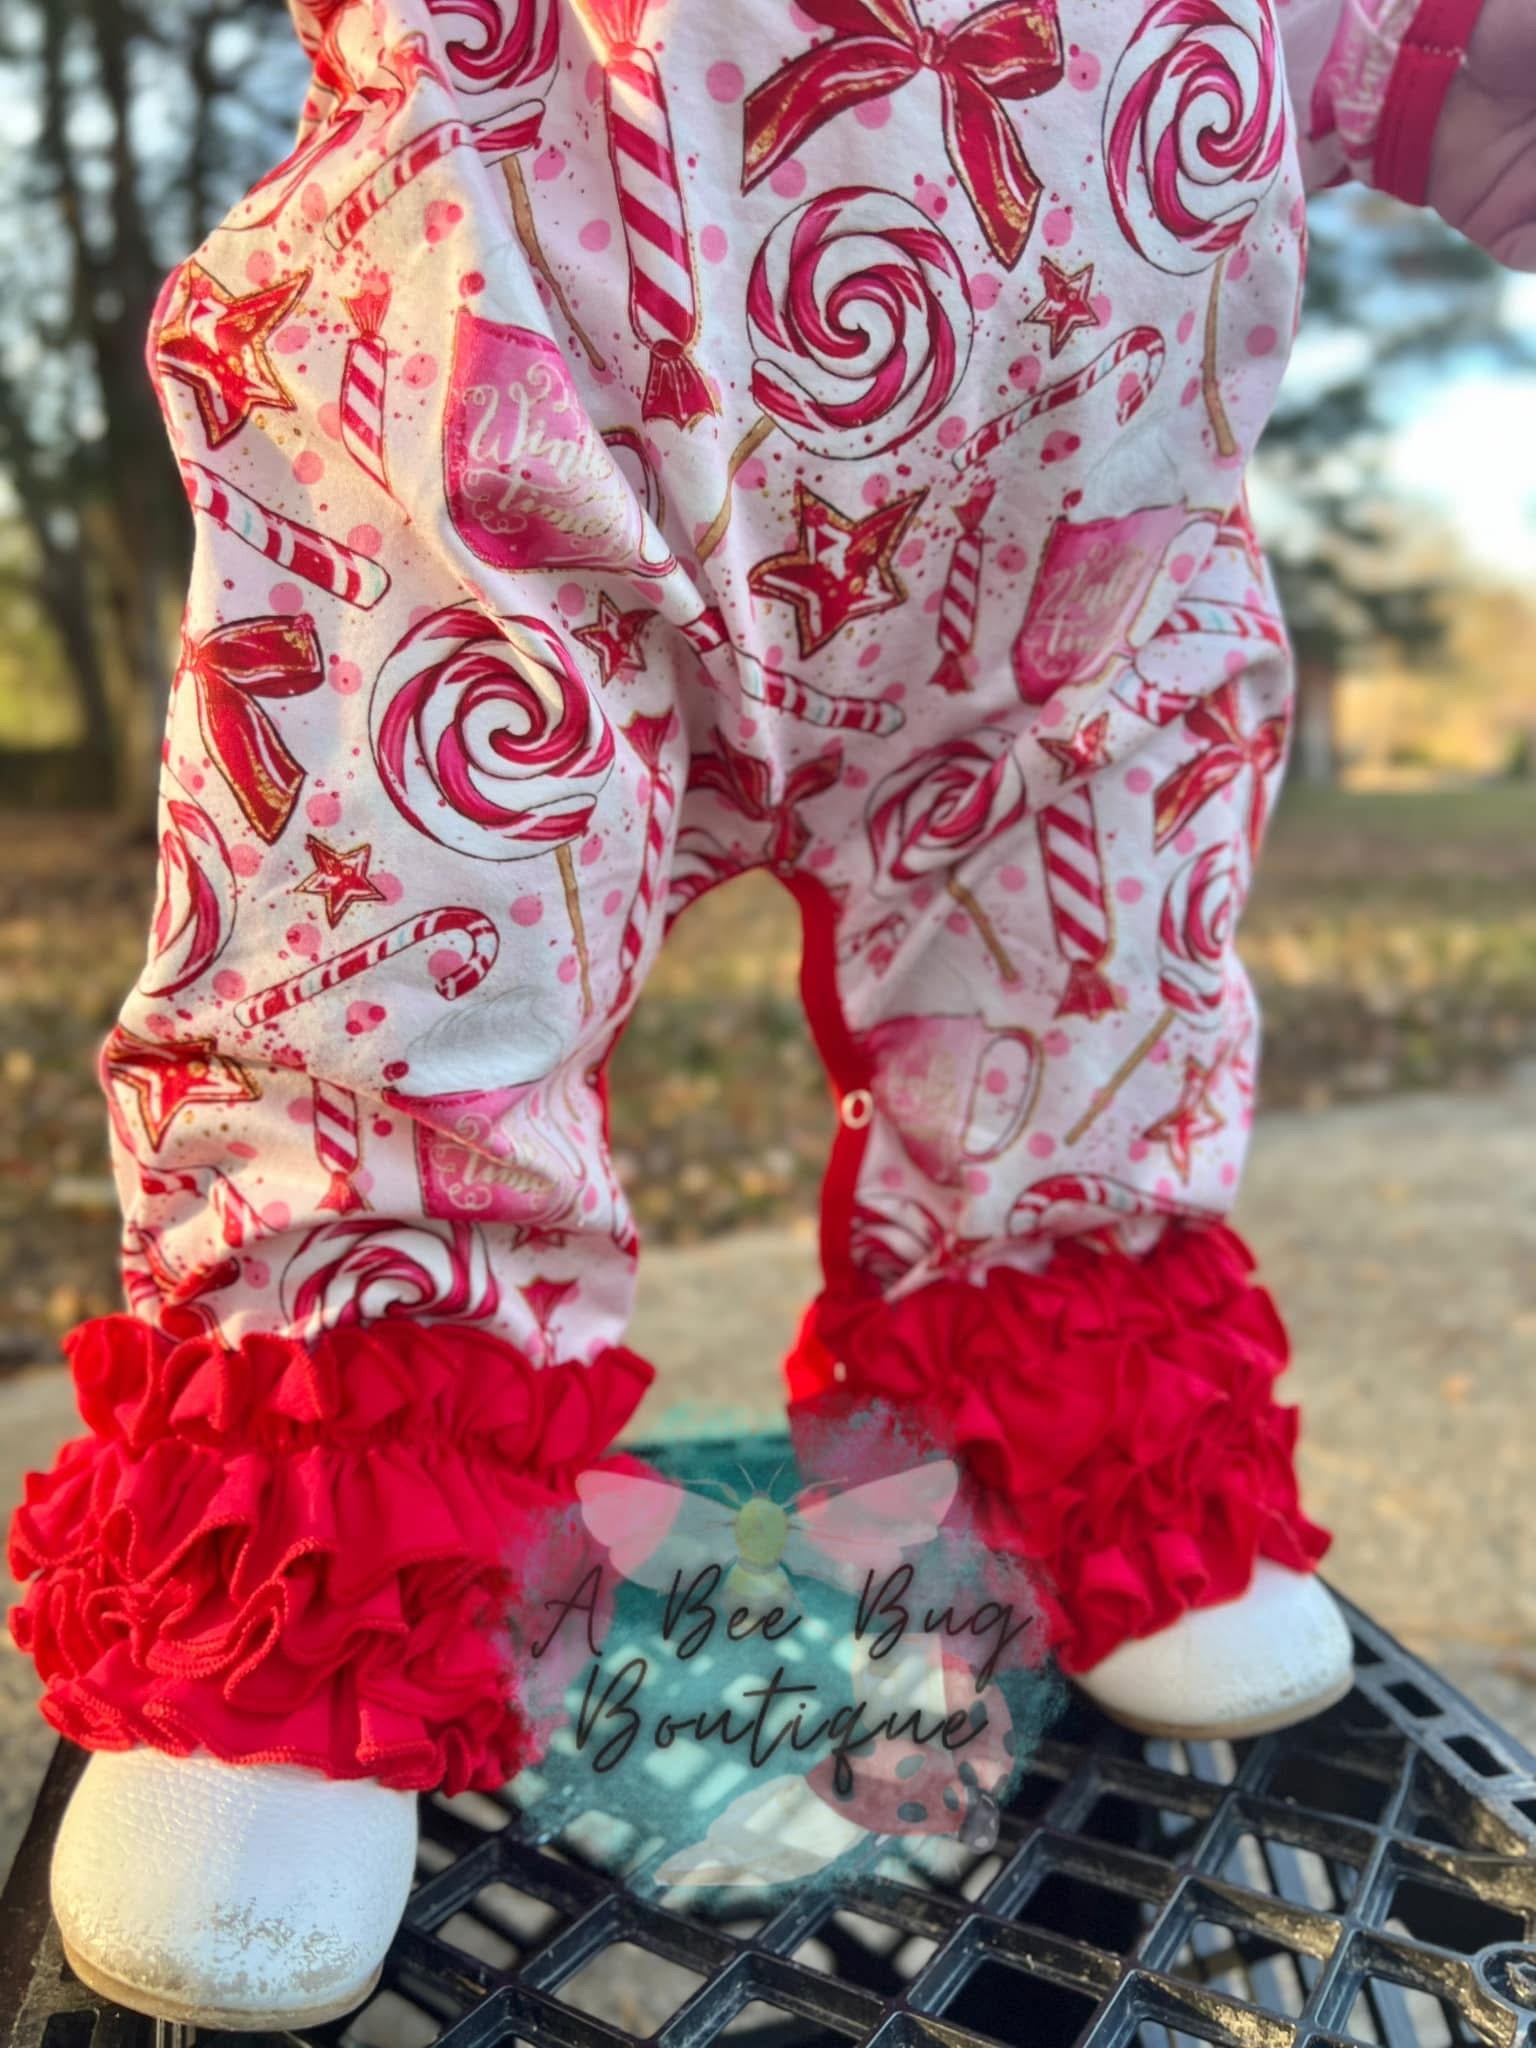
[(1232, 1731), (157, 2006)]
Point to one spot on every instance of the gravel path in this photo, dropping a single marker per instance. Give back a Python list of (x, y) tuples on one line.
[(1400, 1238)]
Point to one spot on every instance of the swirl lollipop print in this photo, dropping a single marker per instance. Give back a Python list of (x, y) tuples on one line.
[(860, 317), (1194, 137), (488, 741), (943, 806), (1194, 942), (364, 1269), (194, 902)]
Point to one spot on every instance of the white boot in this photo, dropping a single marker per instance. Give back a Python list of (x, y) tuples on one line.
[(248, 1897), (1278, 1654)]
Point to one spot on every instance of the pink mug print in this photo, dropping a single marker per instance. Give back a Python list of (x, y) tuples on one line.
[(957, 1090)]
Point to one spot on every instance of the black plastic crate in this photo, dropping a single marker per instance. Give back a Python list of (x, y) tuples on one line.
[(1367, 1878)]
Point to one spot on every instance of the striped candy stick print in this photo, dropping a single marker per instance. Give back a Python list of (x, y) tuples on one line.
[(663, 285), (328, 564), (959, 600), (1074, 883), (338, 1145), (648, 736), (364, 374)]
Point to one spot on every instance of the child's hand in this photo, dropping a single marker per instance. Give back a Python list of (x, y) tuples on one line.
[(1483, 169)]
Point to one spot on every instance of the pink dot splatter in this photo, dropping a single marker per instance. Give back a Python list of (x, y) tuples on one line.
[(724, 82), (1041, 1146), (876, 490), (1240, 265), (471, 282), (527, 911), (229, 985), (977, 1180), (567, 969), (1229, 1175), (912, 553), (161, 1026), (1190, 392), (1057, 1044), (441, 218), (363, 1017), (1058, 226), (312, 203), (613, 903), (1160, 1054), (366, 539), (324, 808), (1186, 842), (595, 234), (958, 923), (571, 598), (823, 856), (593, 82), (1139, 781), (238, 1149), (1083, 71), (952, 431), (984, 290), (290, 339), (1164, 1188), (419, 370), (753, 475), (444, 963), (1060, 446), (329, 417), (1137, 1150), (995, 1081), (1011, 558), (870, 655), (1262, 341), (713, 245), (548, 164), (346, 678), (304, 939), (245, 860), (1102, 307), (390, 887), (789, 179), (1129, 890), (1024, 372), (1186, 326), (873, 113), (276, 1215), (591, 849), (260, 269), (890, 1176), (1051, 714), (1013, 879), (856, 778), (286, 598), (1235, 662), (302, 1109), (932, 201), (1181, 568)]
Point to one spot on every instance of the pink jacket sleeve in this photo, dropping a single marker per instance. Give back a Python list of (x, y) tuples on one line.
[(1368, 80)]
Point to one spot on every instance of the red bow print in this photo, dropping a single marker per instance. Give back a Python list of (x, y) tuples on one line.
[(231, 668), (1228, 751), (1009, 51), (745, 783)]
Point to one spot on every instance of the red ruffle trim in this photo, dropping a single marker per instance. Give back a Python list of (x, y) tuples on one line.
[(304, 1556), (1115, 1417)]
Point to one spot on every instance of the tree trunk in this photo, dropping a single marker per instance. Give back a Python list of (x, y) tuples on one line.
[(1316, 758)]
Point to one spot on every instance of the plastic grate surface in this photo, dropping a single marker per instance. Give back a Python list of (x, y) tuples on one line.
[(1367, 1878)]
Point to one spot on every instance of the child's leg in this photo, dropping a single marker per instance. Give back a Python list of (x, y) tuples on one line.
[(1020, 967)]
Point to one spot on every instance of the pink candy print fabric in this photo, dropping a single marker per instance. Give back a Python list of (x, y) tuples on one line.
[(632, 442)]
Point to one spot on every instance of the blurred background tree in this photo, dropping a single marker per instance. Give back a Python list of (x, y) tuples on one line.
[(131, 128)]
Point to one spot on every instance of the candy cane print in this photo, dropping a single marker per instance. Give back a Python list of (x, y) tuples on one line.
[(238, 1222), (330, 566), (1194, 932), (287, 995), (338, 1145), (1136, 387), (648, 736), (734, 669), (393, 176), (1160, 704)]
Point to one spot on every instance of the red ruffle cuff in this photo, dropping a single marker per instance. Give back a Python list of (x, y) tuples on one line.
[(1114, 1415), (283, 1554)]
